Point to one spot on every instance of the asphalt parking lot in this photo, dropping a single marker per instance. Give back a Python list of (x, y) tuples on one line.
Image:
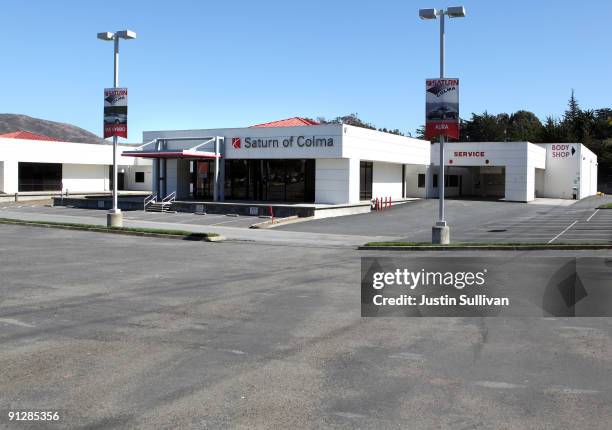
[(171, 218), (479, 221), (129, 332)]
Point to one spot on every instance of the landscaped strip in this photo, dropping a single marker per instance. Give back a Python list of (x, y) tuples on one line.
[(482, 246), (131, 231), (605, 206)]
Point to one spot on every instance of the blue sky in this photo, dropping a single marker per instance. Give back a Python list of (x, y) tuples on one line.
[(201, 64)]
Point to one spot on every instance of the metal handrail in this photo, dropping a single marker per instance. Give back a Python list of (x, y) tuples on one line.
[(170, 197), (151, 198)]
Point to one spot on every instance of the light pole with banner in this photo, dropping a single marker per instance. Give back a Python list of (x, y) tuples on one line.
[(115, 117), (442, 114)]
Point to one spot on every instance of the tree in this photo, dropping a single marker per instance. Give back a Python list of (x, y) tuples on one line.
[(483, 128), (524, 126)]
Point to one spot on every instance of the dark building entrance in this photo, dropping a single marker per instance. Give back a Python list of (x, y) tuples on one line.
[(203, 179), (40, 177), (270, 180)]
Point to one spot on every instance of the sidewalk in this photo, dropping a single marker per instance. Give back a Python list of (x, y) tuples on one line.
[(231, 233)]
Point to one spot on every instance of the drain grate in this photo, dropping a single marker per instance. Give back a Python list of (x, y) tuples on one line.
[(497, 230)]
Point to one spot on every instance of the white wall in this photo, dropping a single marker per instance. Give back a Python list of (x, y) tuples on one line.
[(332, 183), (519, 158), (84, 177), (562, 169), (386, 180), (412, 180), (11, 176), (372, 145), (588, 173), (130, 177), (91, 159)]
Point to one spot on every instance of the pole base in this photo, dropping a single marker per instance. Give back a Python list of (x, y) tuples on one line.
[(114, 219), (440, 234)]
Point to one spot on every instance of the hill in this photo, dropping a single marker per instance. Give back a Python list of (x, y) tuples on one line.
[(66, 132)]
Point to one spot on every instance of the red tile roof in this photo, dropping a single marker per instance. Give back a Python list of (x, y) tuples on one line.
[(27, 135), (289, 122)]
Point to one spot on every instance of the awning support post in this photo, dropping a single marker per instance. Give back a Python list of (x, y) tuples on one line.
[(216, 176)]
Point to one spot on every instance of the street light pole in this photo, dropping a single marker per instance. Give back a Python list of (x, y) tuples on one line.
[(441, 231), (114, 217), (115, 210), (441, 184)]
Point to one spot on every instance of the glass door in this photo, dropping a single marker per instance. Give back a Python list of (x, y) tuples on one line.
[(204, 179)]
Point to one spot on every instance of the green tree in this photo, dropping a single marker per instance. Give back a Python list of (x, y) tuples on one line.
[(524, 126)]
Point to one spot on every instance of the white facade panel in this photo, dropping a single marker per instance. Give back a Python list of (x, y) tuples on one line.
[(372, 145), (386, 180), (332, 183), (84, 177)]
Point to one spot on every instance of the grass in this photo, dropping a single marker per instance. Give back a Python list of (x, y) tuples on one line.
[(125, 230), (605, 206)]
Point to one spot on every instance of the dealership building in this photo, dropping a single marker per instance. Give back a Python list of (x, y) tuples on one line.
[(294, 160), (31, 163), (300, 161)]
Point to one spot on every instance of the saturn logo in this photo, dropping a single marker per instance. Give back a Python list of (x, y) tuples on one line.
[(236, 142)]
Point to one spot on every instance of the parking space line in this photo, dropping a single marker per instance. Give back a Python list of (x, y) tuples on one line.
[(592, 215), (228, 222), (566, 229)]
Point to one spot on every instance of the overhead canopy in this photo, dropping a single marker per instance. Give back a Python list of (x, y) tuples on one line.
[(185, 153)]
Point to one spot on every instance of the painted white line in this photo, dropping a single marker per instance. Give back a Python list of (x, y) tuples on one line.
[(592, 215), (559, 235), (228, 222), (14, 322)]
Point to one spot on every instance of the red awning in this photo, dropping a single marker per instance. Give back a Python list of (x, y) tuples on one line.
[(170, 154)]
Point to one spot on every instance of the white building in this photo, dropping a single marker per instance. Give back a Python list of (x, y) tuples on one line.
[(31, 162), (515, 171), (292, 160), (297, 160)]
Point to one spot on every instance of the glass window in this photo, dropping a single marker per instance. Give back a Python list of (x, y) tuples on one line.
[(365, 180), (435, 181), (421, 180), (139, 177), (40, 176)]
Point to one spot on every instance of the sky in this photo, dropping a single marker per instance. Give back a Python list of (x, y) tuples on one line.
[(234, 63)]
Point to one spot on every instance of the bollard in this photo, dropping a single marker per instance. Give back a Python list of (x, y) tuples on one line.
[(390, 202), (272, 214), (16, 197)]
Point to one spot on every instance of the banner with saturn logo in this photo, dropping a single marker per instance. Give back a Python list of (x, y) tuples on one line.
[(115, 112), (442, 108)]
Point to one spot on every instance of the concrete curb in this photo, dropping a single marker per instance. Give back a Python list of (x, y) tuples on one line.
[(218, 238), (484, 248)]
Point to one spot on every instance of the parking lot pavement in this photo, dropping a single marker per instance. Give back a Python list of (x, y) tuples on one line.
[(480, 221), (139, 333), (232, 228), (171, 218)]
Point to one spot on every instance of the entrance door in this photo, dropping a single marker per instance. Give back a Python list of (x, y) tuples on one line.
[(204, 179)]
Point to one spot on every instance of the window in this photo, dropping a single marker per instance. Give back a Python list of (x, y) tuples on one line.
[(270, 180), (435, 181), (39, 176), (139, 177), (421, 180), (365, 180)]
